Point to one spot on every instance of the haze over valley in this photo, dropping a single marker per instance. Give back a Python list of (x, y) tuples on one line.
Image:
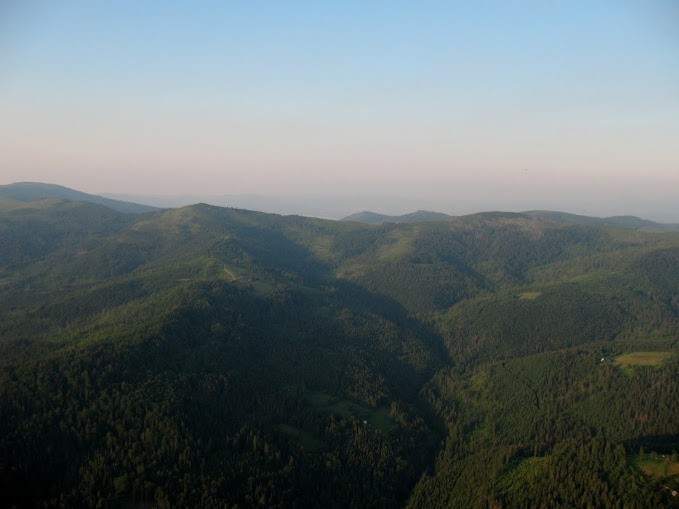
[(644, 197), (328, 110)]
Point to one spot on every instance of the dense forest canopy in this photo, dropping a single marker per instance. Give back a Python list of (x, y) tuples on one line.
[(218, 357)]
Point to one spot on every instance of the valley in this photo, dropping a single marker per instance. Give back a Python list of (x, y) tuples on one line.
[(214, 357)]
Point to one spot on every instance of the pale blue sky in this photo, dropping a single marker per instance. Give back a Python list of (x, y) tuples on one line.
[(315, 97)]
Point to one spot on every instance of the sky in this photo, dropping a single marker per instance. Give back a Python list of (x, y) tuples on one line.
[(459, 105)]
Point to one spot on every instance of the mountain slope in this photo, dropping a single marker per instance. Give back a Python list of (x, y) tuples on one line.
[(34, 191), (207, 356)]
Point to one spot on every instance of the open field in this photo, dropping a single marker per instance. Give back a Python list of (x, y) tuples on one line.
[(529, 295), (642, 359), (401, 244), (658, 467), (527, 471), (375, 417)]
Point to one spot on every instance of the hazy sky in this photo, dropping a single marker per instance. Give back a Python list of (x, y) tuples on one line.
[(426, 98)]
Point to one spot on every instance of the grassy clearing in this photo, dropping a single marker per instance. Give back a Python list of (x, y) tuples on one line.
[(590, 277), (480, 381), (401, 245), (527, 471), (629, 360), (304, 438), (257, 286), (352, 269), (228, 274), (658, 467), (377, 418), (323, 248), (529, 295)]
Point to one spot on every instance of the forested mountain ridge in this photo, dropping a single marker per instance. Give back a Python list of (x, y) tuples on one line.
[(631, 222), (27, 192), (421, 216), (211, 356)]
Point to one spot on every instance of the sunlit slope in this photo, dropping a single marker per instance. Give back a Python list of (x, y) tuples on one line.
[(592, 275)]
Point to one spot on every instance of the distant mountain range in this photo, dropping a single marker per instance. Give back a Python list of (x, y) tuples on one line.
[(36, 191), (18, 194), (631, 222), (422, 216)]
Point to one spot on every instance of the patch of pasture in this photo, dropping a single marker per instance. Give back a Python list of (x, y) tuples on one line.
[(633, 359), (658, 467), (377, 418), (529, 295), (401, 244)]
